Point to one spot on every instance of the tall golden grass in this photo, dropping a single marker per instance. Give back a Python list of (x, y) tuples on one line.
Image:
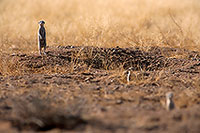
[(104, 23)]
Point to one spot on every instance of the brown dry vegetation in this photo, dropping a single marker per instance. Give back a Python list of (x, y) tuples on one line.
[(81, 84), (104, 23)]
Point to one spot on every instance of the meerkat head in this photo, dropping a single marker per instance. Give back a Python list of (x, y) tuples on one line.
[(41, 23), (169, 95)]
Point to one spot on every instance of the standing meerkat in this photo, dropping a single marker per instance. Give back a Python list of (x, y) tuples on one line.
[(42, 37), (169, 101)]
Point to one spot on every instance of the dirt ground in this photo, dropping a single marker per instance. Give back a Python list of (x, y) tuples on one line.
[(85, 89)]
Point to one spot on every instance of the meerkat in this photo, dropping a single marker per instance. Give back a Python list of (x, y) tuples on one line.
[(41, 37), (169, 101), (128, 76)]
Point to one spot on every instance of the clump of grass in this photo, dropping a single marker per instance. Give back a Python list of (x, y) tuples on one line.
[(8, 66)]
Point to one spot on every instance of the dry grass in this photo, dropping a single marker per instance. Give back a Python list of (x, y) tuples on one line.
[(104, 23), (81, 83)]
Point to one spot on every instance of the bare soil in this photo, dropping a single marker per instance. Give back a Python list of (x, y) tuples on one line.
[(85, 89)]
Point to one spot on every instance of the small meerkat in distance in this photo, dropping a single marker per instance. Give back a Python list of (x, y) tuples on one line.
[(169, 101), (41, 37)]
